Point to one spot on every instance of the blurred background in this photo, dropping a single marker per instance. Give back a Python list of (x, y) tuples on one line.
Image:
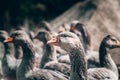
[(101, 17), (14, 13)]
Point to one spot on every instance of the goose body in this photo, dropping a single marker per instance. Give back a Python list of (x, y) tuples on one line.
[(9, 62), (27, 69), (108, 70), (49, 58)]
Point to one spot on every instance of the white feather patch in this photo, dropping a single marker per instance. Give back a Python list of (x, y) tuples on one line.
[(30, 73), (11, 61)]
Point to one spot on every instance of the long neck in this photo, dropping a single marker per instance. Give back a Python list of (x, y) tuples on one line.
[(86, 37), (106, 60), (83, 41), (78, 64), (28, 60), (9, 49), (48, 55), (18, 51), (8, 61)]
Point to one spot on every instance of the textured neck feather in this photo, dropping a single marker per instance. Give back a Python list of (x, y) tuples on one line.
[(28, 60), (9, 48), (83, 41), (78, 64), (9, 61), (48, 55), (106, 60), (18, 51)]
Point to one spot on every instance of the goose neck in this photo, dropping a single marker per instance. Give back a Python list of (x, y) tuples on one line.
[(28, 60), (106, 60), (9, 49), (18, 51), (49, 54), (78, 64)]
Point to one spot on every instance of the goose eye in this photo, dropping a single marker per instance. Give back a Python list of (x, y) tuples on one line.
[(63, 36), (113, 40), (16, 34)]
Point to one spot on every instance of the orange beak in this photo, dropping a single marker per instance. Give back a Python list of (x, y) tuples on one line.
[(10, 39), (118, 44), (53, 41)]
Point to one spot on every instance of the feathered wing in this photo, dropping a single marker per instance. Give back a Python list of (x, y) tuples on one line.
[(46, 75), (101, 74)]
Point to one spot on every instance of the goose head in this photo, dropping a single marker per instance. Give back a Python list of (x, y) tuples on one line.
[(75, 25), (66, 40), (78, 28), (110, 42), (17, 37)]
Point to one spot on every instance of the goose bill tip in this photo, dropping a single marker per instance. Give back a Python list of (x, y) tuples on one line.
[(52, 41), (118, 44), (10, 39)]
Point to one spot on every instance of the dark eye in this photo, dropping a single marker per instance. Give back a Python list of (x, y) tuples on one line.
[(16, 34), (113, 39), (63, 35)]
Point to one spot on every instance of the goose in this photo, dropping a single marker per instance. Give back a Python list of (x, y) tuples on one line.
[(44, 25), (71, 43), (81, 31), (9, 62), (48, 51), (49, 58), (27, 69)]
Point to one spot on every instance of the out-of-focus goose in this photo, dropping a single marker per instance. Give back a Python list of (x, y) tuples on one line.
[(81, 31), (71, 43), (49, 58), (49, 53), (27, 69), (9, 62)]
